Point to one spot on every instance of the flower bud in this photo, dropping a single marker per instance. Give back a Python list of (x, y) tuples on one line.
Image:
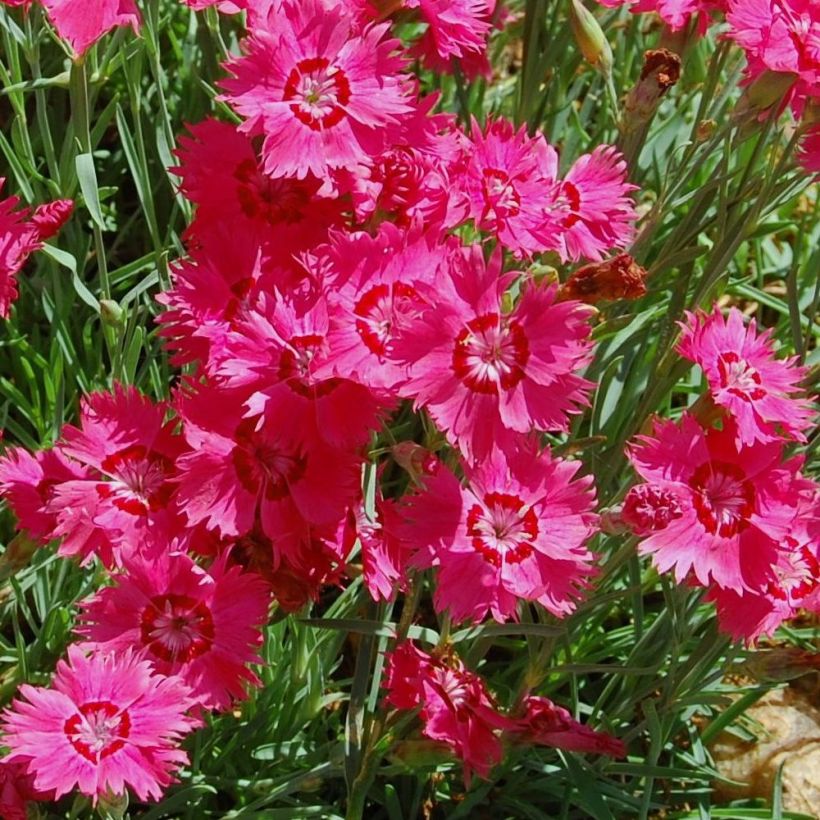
[(111, 313), (414, 458), (590, 37), (661, 70), (49, 218), (618, 278)]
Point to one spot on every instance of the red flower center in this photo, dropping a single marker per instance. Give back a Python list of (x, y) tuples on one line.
[(799, 577), (295, 367), (177, 628), (383, 310), (502, 528), (571, 198), (739, 378), (489, 353), (98, 729), (500, 194), (724, 498), (273, 200), (264, 465), (319, 93), (138, 485)]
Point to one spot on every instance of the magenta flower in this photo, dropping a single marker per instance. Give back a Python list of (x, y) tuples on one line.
[(124, 500), (83, 22), (486, 375), (548, 724), (677, 14), (377, 287), (744, 378), (723, 509), (780, 36), (457, 31), (27, 483), (456, 708), (280, 353), (239, 469), (22, 233), (200, 625), (508, 179), (107, 723), (593, 206), (323, 93), (518, 531)]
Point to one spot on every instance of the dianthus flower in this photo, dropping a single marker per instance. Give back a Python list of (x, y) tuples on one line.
[(83, 22), (809, 153), (239, 469), (780, 36), (677, 14), (200, 625), (517, 531), (456, 707), (486, 375), (323, 93), (377, 286), (27, 482), (107, 723), (221, 175), (384, 555), (548, 724), (457, 32), (508, 178), (280, 354), (721, 510), (593, 206), (129, 451), (745, 379), (793, 583), (22, 233)]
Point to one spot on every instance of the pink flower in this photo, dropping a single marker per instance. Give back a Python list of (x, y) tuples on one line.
[(107, 723), (518, 531), (793, 583), (221, 175), (240, 469), (27, 483), (485, 374), (508, 179), (593, 206), (22, 233), (377, 287), (457, 33), (456, 707), (83, 22), (724, 509), (548, 724), (200, 625), (744, 378), (124, 501), (384, 555), (280, 353), (323, 94), (781, 36), (677, 14)]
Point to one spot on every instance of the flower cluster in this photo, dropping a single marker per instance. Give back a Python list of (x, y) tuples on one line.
[(328, 283), (720, 503)]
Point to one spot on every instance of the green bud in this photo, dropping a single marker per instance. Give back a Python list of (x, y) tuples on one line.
[(590, 37), (111, 313)]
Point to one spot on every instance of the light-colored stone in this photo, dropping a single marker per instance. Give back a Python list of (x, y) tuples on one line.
[(790, 733)]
